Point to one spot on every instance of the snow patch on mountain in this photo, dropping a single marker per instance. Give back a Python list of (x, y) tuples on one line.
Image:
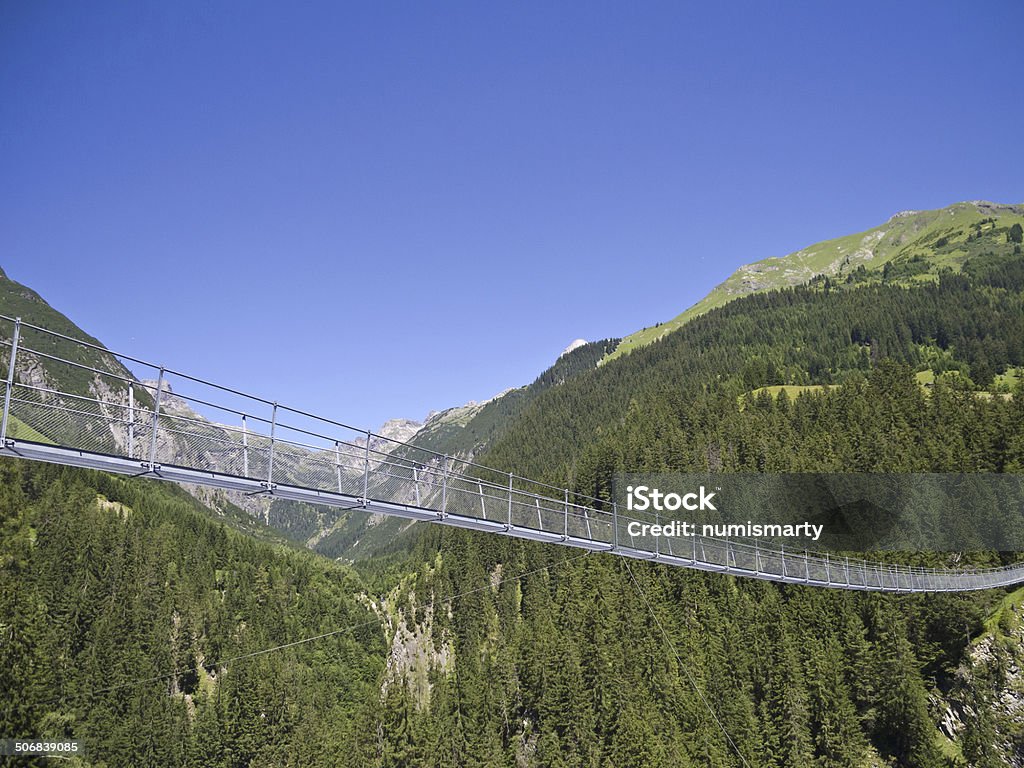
[(575, 345)]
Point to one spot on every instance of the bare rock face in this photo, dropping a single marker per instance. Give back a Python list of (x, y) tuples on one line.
[(993, 664), (416, 654), (400, 430)]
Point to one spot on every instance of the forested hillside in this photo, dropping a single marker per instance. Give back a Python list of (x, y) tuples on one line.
[(502, 653), (971, 322), (108, 585), (796, 677), (580, 666)]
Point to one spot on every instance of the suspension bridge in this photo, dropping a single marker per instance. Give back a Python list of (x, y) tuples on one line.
[(73, 402)]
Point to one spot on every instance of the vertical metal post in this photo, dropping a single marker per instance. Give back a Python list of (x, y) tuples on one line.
[(416, 483), (245, 448), (337, 468), (273, 429), (615, 525), (807, 567), (483, 507), (782, 557), (10, 381), (509, 499), (565, 534), (156, 417), (828, 572), (847, 570), (131, 420), (657, 539), (540, 519), (366, 470), (444, 487), (757, 558)]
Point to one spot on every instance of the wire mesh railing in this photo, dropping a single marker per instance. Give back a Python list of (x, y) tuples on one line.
[(75, 396)]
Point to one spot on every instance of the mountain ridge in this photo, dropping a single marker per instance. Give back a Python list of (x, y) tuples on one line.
[(835, 257)]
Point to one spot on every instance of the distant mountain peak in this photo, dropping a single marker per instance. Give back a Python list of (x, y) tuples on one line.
[(903, 215), (399, 430)]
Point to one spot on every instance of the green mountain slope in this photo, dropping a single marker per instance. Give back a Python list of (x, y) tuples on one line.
[(939, 236), (19, 301), (466, 432), (973, 322)]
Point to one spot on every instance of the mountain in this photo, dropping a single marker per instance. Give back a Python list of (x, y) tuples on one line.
[(946, 237), (16, 301), (445, 647)]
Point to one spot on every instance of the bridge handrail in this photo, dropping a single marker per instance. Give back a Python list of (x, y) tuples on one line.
[(440, 479)]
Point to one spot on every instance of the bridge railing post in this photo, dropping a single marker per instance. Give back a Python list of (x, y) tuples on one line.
[(337, 469), (366, 471), (657, 539), (273, 444), (510, 500), (156, 418), (444, 487), (245, 448), (15, 337), (615, 524), (565, 533), (131, 420)]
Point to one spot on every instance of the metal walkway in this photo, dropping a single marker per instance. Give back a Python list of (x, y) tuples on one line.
[(176, 427)]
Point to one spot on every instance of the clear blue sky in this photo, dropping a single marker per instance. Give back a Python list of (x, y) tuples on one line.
[(377, 209)]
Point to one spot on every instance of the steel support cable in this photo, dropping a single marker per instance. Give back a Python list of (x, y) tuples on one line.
[(682, 665), (490, 585)]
